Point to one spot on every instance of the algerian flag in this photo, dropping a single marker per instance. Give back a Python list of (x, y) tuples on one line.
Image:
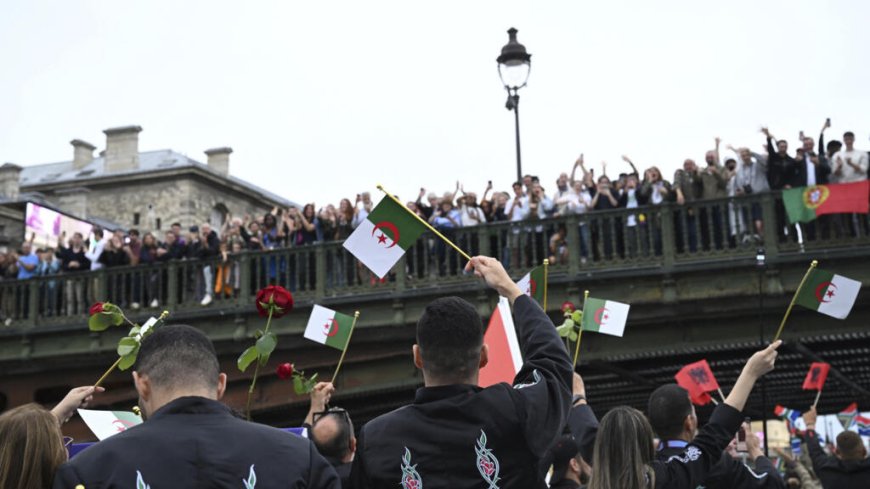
[(383, 237), (108, 423), (328, 327), (532, 284), (829, 293), (604, 316)]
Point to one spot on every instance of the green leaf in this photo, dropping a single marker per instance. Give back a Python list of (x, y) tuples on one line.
[(298, 386), (134, 331), (264, 359), (573, 336), (565, 329), (577, 317), (101, 321), (127, 361), (258, 333), (127, 345), (247, 357), (266, 344)]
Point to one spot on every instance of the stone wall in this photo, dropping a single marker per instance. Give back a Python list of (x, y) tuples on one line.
[(186, 199)]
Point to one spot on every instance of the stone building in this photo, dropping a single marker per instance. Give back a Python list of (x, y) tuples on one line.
[(146, 190)]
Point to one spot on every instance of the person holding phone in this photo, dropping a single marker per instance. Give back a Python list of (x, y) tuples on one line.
[(673, 418)]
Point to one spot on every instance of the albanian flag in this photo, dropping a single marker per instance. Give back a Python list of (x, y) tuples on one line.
[(816, 376), (698, 379)]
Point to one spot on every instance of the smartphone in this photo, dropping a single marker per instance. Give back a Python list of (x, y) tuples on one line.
[(828, 121), (489, 182)]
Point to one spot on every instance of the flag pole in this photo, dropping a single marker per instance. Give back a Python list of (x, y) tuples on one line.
[(546, 266), (344, 351), (579, 333), (794, 298), (423, 222), (721, 394), (818, 395)]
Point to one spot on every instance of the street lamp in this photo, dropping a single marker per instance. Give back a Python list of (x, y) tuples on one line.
[(514, 65)]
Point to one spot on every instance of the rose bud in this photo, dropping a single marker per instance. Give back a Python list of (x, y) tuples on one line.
[(96, 308), (568, 306), (276, 298), (284, 371)]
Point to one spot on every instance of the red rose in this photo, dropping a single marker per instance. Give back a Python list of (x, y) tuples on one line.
[(284, 371), (488, 467), (568, 306), (276, 298), (96, 308), (410, 482)]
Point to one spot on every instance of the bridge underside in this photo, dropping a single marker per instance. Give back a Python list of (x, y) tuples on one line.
[(712, 311)]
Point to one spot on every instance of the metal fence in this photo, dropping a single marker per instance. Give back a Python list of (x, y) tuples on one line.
[(661, 237)]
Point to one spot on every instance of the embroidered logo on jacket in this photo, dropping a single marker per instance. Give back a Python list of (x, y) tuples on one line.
[(690, 455), (537, 380), (140, 483), (251, 483), (487, 463), (410, 477)]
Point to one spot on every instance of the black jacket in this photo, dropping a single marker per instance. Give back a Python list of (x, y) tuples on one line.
[(689, 467), (780, 169), (729, 473), (194, 442), (465, 436), (822, 171), (67, 255), (833, 472)]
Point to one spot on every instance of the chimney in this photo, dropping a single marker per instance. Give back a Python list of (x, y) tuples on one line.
[(122, 148), (219, 159), (10, 175), (83, 153)]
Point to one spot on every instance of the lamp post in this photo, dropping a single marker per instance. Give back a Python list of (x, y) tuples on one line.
[(514, 65)]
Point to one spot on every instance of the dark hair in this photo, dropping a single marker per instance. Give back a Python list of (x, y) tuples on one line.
[(450, 334), (668, 407), (175, 224), (134, 232), (781, 141), (848, 134), (178, 356), (565, 449), (338, 445), (833, 146), (850, 446)]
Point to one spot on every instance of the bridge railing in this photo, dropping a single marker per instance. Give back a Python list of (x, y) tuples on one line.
[(654, 237)]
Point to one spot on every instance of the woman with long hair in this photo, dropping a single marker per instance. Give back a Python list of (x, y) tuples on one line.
[(31, 444), (624, 454)]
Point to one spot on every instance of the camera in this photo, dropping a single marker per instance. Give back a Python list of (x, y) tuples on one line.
[(747, 189)]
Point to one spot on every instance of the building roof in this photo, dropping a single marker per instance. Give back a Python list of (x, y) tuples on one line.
[(149, 162)]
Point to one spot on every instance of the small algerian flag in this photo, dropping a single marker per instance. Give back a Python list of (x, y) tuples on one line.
[(829, 293), (604, 316), (328, 327), (532, 284), (108, 423), (382, 238)]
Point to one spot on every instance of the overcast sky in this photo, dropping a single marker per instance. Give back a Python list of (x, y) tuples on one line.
[(321, 100)]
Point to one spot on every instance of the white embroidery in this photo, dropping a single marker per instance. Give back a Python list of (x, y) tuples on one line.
[(487, 463), (140, 483), (690, 455), (537, 380), (410, 477), (251, 483)]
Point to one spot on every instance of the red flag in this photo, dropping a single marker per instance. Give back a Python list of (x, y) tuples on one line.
[(816, 376), (700, 399), (505, 359), (697, 375)]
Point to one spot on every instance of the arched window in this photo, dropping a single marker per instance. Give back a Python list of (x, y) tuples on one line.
[(218, 214)]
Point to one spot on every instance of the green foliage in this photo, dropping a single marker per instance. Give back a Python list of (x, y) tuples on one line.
[(247, 357), (303, 385)]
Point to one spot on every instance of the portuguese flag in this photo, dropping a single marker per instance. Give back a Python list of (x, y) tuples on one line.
[(829, 293), (328, 327), (532, 284), (383, 237), (804, 204), (604, 316)]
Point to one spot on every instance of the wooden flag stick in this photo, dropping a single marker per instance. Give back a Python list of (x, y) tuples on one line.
[(794, 298), (715, 402), (111, 369), (580, 333), (546, 267), (818, 395), (721, 394), (423, 222), (344, 352)]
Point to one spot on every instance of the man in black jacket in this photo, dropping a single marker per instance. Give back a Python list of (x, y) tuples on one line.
[(189, 439), (848, 469), (457, 434), (780, 166), (672, 416)]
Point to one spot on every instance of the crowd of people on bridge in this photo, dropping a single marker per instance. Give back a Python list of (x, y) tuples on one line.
[(701, 221), (454, 434)]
